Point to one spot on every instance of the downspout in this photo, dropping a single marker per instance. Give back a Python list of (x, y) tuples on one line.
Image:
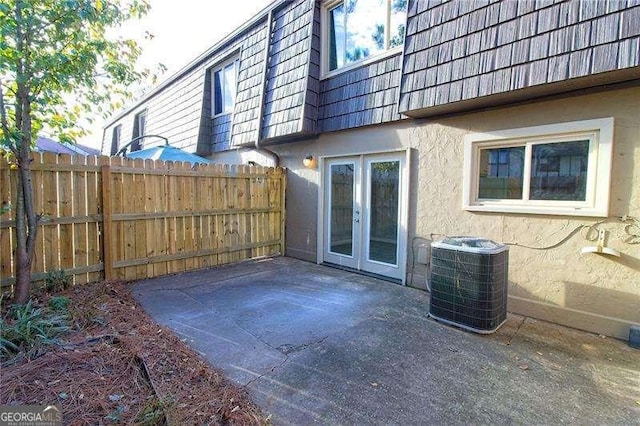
[(263, 91)]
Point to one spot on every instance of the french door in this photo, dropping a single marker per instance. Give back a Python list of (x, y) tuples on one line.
[(365, 213)]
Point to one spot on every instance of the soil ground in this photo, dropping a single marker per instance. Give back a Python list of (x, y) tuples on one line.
[(120, 366)]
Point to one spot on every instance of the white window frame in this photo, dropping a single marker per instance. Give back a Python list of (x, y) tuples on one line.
[(235, 60), (599, 132), (324, 43)]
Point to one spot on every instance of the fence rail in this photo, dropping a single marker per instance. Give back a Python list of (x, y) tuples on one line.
[(116, 218)]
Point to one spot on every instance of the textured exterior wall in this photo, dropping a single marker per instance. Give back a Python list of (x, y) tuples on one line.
[(591, 292), (459, 50), (360, 97)]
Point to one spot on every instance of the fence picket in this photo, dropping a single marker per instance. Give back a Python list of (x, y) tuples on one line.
[(50, 210), (94, 208), (80, 248), (6, 214)]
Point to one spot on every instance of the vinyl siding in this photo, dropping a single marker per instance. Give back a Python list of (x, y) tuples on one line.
[(459, 50)]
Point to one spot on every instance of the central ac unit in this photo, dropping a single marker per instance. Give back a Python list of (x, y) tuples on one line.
[(469, 281)]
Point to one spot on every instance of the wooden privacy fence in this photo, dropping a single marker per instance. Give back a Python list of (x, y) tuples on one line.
[(116, 218)]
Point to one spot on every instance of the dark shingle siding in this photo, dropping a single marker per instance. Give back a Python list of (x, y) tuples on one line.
[(174, 113), (509, 45), (244, 129), (289, 75), (360, 97), (220, 132), (182, 110)]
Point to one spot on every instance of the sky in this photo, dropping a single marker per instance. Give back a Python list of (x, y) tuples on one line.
[(182, 30)]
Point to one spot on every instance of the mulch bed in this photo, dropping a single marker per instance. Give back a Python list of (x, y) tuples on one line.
[(122, 367)]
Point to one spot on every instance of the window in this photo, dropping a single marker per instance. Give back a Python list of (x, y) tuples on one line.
[(115, 139), (224, 87), (359, 29), (139, 128), (556, 169)]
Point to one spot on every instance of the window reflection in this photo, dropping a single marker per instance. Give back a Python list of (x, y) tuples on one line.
[(501, 173), (559, 171), (224, 88), (342, 185), (362, 28), (383, 227)]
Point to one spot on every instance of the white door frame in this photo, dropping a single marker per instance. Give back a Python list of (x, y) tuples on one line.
[(403, 213)]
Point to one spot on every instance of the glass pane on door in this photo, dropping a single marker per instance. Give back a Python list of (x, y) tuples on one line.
[(384, 189), (342, 196)]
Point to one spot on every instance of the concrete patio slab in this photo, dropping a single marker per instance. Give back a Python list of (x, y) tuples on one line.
[(313, 344)]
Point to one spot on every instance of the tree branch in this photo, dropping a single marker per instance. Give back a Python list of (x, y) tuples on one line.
[(3, 114)]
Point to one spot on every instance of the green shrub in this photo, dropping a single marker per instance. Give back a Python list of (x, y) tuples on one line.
[(154, 411), (57, 280), (27, 329), (59, 304)]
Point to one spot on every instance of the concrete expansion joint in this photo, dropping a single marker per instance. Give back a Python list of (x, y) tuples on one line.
[(258, 338), (188, 296), (268, 372), (200, 282)]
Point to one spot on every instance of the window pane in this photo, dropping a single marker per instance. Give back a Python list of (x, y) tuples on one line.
[(138, 130), (217, 93), (365, 28), (397, 20), (501, 173), (362, 28), (115, 139), (383, 226), (142, 123), (229, 87), (336, 37), (342, 209), (559, 171)]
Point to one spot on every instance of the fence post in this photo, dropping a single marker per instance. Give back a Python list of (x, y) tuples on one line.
[(107, 230)]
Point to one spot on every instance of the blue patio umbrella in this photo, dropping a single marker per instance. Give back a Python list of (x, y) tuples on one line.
[(167, 153)]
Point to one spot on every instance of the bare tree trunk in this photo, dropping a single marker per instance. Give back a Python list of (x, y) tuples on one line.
[(26, 225), (26, 222)]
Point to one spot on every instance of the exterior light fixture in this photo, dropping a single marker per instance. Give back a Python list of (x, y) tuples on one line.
[(309, 162)]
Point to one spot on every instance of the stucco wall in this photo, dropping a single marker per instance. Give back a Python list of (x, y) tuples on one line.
[(591, 292)]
